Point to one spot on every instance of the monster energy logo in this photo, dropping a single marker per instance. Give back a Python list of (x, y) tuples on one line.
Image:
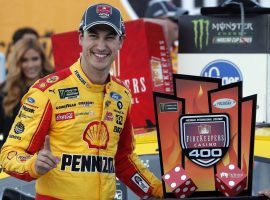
[(201, 32), (68, 93)]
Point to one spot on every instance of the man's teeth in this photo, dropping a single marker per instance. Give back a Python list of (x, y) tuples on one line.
[(100, 55)]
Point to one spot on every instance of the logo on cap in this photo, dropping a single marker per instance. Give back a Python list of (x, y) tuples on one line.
[(104, 11)]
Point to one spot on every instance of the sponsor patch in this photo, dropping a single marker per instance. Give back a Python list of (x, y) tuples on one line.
[(52, 90), (27, 109), (22, 157), (68, 105), (104, 11), (140, 182), (52, 79), (82, 113), (42, 85), (119, 105), (81, 79), (23, 115), (107, 103), (14, 137), (225, 103), (11, 154), (118, 111), (119, 119), (117, 129), (168, 107), (31, 100), (96, 135), (108, 116), (115, 96), (64, 116), (87, 163), (68, 93), (91, 113), (30, 105), (19, 128), (85, 103)]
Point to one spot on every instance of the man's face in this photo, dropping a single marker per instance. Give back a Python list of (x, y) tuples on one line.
[(100, 45), (172, 29)]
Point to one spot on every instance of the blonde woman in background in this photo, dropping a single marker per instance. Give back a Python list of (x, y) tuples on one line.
[(26, 64)]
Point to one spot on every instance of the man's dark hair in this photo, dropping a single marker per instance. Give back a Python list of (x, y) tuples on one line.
[(19, 33)]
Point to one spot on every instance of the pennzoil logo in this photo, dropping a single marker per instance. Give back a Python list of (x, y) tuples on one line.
[(87, 163), (96, 135), (201, 32)]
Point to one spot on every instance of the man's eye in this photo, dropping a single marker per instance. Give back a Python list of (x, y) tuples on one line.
[(92, 35), (110, 37)]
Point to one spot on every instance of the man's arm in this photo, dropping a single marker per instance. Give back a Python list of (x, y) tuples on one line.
[(129, 168), (26, 137)]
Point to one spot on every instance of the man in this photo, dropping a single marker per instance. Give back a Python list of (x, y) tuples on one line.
[(166, 10), (74, 132), (265, 192)]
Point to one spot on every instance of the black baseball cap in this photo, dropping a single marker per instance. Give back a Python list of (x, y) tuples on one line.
[(102, 14), (164, 8)]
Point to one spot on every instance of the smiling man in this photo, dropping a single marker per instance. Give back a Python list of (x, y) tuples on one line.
[(74, 134)]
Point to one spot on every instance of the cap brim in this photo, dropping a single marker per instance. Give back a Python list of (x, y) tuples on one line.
[(104, 23)]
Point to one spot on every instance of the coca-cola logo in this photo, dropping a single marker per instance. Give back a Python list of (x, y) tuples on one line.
[(64, 116)]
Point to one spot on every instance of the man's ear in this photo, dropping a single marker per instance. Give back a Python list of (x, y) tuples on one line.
[(121, 39), (80, 37)]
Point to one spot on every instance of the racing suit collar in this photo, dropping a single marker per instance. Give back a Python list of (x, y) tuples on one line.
[(80, 76)]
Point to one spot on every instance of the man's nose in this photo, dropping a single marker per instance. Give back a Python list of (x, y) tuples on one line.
[(101, 44)]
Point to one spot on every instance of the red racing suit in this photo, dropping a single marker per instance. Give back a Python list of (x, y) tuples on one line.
[(90, 130)]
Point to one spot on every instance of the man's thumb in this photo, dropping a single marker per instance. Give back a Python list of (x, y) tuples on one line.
[(47, 145)]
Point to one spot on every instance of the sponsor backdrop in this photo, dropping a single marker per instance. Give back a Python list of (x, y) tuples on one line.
[(48, 17), (223, 48)]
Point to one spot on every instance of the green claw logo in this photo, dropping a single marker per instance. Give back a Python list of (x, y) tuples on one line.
[(201, 32)]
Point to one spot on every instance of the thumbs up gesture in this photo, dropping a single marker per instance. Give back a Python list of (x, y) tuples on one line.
[(46, 161)]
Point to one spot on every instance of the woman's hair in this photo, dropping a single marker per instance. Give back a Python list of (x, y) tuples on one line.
[(16, 84)]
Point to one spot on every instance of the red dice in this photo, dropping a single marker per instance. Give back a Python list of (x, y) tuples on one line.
[(230, 180), (179, 182)]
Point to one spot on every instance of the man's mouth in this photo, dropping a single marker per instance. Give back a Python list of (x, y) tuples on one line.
[(100, 55)]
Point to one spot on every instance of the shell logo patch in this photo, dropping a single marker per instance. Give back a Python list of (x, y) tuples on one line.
[(96, 135)]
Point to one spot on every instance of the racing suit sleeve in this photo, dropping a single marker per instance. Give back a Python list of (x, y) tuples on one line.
[(129, 168), (27, 135)]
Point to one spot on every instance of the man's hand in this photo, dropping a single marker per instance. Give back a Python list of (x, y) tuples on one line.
[(265, 192), (46, 161)]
